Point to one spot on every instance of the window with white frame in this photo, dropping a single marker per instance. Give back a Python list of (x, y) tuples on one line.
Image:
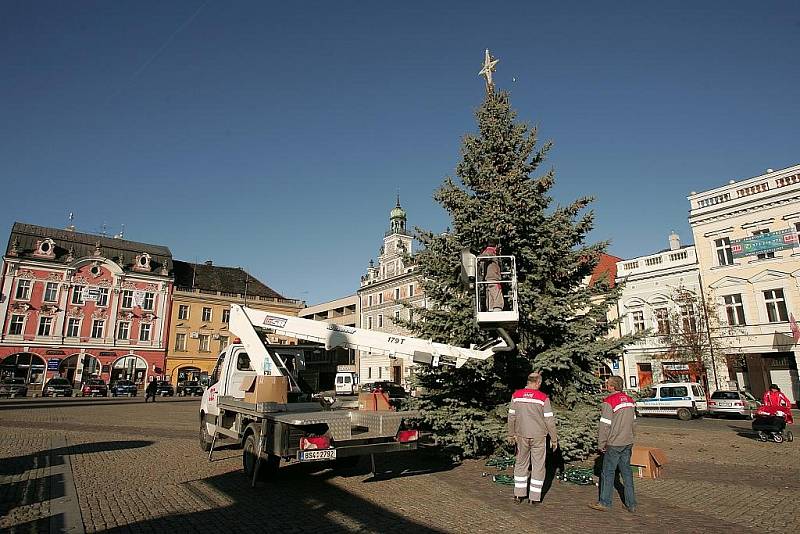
[(410, 290), (776, 306), (16, 325), (183, 312), (23, 290), (223, 342), (45, 325), (204, 341), (397, 293), (380, 297), (226, 316), (144, 331), (734, 309), (797, 233), (97, 328), (51, 292), (73, 327), (123, 330), (724, 252), (688, 318), (369, 372), (396, 316), (148, 301), (206, 314), (77, 295), (102, 297), (369, 300), (369, 322), (662, 321), (380, 321), (180, 342), (127, 298), (637, 320), (765, 255)]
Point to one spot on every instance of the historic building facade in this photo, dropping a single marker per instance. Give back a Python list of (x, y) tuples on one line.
[(78, 306), (201, 304), (657, 290), (384, 291), (746, 236)]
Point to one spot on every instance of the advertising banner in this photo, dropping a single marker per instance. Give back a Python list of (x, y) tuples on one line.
[(764, 243)]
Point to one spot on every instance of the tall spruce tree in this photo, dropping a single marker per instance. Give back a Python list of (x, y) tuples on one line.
[(562, 329)]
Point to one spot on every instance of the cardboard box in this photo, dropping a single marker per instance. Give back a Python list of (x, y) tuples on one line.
[(265, 389), (646, 462), (371, 402)]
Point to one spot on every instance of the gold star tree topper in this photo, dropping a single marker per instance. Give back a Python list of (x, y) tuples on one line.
[(488, 68)]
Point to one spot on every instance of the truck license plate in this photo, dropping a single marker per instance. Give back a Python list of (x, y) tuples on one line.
[(310, 456)]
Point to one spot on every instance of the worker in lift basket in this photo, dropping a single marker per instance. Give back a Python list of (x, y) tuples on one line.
[(530, 421), (494, 292)]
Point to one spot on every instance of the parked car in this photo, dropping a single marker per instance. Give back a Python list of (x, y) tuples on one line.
[(682, 399), (94, 387), (56, 387), (732, 403), (13, 387), (164, 389), (124, 387), (189, 387)]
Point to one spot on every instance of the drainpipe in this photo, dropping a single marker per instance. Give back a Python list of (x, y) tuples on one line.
[(708, 331)]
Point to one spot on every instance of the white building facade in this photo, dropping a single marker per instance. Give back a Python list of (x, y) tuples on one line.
[(746, 236), (385, 290)]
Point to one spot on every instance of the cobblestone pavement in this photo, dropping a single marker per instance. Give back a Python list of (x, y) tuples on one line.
[(137, 468)]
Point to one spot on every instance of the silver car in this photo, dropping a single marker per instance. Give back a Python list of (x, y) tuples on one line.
[(738, 403)]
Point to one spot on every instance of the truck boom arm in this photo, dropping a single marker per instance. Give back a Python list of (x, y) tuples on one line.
[(245, 322)]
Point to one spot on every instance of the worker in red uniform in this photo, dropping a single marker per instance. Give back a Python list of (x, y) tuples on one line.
[(530, 421), (494, 292), (615, 441), (775, 397)]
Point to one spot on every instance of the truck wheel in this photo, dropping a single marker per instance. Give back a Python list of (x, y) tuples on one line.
[(269, 466), (205, 437), (684, 414)]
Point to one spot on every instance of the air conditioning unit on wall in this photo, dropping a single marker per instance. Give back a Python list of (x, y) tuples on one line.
[(194, 335), (215, 336)]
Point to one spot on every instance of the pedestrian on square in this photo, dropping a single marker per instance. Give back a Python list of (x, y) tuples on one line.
[(530, 421), (150, 391), (775, 397), (615, 441), (494, 292)]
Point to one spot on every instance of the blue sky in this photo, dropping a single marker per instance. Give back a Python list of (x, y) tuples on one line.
[(274, 135)]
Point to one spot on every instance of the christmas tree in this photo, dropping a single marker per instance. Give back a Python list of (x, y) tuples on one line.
[(497, 197)]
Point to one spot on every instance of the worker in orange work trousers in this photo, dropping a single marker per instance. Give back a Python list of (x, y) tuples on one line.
[(530, 421)]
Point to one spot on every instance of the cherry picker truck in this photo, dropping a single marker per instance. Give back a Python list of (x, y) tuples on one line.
[(304, 429)]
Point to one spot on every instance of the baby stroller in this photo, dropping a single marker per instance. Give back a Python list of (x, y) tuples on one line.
[(770, 423)]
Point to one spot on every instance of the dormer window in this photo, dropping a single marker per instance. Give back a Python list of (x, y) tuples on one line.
[(46, 248), (142, 262)]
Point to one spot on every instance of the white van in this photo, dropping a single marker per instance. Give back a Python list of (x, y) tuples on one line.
[(346, 383), (682, 399)]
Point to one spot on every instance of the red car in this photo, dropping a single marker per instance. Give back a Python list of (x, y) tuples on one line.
[(94, 387)]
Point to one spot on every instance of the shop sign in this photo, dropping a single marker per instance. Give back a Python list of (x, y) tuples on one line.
[(53, 364), (53, 352), (676, 366), (91, 293), (764, 243)]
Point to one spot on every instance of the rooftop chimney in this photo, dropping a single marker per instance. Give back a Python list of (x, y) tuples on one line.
[(210, 263), (674, 241)]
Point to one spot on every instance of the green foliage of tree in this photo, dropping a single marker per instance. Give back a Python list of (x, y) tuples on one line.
[(497, 197)]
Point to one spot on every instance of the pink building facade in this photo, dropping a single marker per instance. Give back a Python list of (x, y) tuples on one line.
[(82, 306)]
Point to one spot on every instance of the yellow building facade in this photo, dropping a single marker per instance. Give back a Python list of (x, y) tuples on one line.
[(200, 310)]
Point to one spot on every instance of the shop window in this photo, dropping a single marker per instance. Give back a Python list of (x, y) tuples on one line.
[(23, 290), (776, 306), (51, 292), (73, 327), (16, 325), (144, 331), (724, 252), (127, 299), (734, 309), (45, 324)]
